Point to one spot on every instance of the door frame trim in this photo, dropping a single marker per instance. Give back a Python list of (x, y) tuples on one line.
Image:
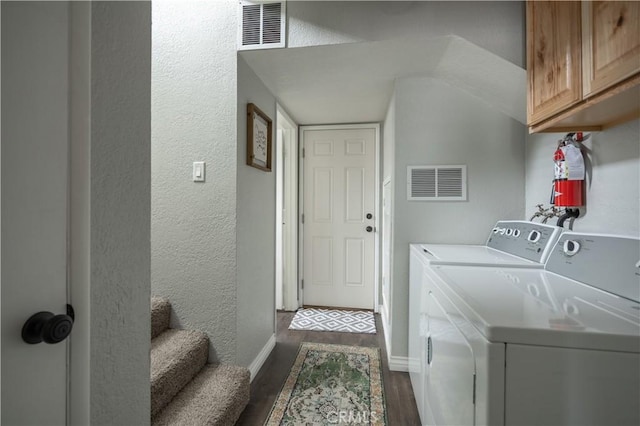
[(377, 188), (284, 122)]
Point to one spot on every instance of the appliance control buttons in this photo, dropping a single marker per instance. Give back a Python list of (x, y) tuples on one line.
[(496, 230), (571, 247), (534, 236), (516, 233), (509, 232)]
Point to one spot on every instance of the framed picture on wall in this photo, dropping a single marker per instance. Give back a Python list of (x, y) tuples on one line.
[(259, 131)]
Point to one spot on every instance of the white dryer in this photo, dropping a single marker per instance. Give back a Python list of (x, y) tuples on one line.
[(517, 346), (517, 243)]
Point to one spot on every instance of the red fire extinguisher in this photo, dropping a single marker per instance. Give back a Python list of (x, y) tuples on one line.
[(568, 183)]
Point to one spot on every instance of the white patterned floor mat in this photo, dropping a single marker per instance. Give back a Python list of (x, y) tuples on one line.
[(334, 320)]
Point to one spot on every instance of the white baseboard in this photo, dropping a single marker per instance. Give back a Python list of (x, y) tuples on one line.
[(384, 316), (399, 363), (256, 365)]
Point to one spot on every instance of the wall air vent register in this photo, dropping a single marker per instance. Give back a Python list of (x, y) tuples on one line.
[(437, 183), (262, 25)]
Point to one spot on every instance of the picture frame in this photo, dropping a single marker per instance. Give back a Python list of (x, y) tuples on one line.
[(259, 138)]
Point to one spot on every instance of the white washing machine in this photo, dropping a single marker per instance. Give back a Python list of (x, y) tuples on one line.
[(513, 243), (518, 346)]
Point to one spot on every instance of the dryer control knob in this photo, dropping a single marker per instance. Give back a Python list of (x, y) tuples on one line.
[(534, 236), (571, 247), (516, 233)]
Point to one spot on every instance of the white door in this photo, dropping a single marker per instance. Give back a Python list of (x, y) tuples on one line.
[(339, 217), (35, 134)]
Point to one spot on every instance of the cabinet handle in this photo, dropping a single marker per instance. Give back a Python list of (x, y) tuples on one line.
[(429, 350)]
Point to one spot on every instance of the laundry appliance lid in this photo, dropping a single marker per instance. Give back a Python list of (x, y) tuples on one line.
[(536, 307), (473, 255)]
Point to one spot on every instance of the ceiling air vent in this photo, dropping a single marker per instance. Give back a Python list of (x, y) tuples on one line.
[(262, 25), (437, 183)]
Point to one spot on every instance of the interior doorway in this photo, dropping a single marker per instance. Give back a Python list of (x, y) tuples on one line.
[(339, 206), (286, 212)]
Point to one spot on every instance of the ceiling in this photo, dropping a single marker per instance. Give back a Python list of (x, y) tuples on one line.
[(353, 83)]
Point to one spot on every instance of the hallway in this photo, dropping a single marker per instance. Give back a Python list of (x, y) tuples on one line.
[(401, 407)]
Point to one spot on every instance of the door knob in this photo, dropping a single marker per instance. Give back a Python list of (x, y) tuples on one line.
[(369, 228), (47, 327), (369, 216)]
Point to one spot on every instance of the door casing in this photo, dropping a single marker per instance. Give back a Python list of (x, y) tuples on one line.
[(376, 128), (286, 194)]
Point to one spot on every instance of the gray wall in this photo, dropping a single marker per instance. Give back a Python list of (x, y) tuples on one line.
[(256, 236), (199, 250), (120, 210), (613, 184), (496, 26), (193, 225), (439, 124)]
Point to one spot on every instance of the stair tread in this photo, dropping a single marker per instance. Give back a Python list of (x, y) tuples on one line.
[(160, 315), (176, 357), (216, 396)]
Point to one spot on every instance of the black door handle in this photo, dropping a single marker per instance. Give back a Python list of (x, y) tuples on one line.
[(47, 327), (369, 228)]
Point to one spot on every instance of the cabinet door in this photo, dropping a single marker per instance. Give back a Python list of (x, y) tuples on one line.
[(553, 57), (611, 30)]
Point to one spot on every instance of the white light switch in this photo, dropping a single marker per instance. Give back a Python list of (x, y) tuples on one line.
[(198, 171)]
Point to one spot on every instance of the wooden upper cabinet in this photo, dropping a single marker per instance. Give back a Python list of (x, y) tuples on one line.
[(611, 34), (553, 57), (583, 64)]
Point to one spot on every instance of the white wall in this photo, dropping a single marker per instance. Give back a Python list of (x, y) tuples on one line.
[(256, 213), (613, 184), (496, 26), (388, 159), (439, 124), (388, 138), (120, 210), (193, 225)]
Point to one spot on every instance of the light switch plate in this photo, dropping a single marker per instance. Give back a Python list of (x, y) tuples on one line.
[(198, 171)]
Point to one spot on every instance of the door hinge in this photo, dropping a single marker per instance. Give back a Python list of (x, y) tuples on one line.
[(474, 388), (303, 218), (302, 284), (303, 152)]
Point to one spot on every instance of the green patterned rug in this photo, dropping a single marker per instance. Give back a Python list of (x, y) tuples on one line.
[(331, 385)]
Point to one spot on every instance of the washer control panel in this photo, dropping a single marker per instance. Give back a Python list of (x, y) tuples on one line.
[(608, 262), (532, 241)]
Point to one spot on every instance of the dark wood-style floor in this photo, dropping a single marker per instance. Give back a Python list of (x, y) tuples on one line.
[(401, 406)]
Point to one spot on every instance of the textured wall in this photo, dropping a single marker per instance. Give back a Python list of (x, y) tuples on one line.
[(496, 26), (193, 225), (438, 124), (256, 228), (120, 210), (613, 189)]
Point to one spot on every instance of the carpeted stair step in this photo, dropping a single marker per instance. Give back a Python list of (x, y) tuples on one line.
[(215, 397), (176, 357), (160, 315)]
